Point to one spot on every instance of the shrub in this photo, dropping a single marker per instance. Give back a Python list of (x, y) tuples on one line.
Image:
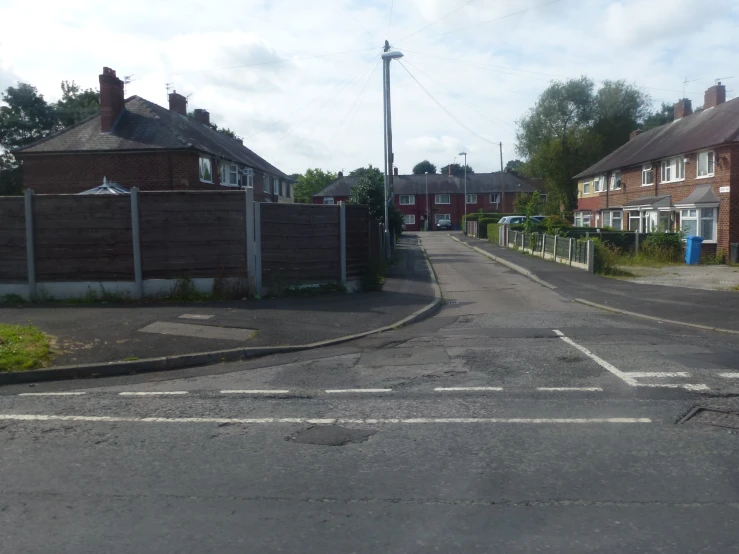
[(493, 232), (482, 225), (663, 247), (606, 257)]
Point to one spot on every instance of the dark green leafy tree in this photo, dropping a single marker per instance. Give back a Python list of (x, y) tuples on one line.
[(514, 166), (373, 173), (457, 170), (528, 204), (424, 167), (664, 115), (76, 104), (370, 191), (310, 184)]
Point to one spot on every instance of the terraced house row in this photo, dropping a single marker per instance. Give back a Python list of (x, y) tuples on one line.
[(682, 176)]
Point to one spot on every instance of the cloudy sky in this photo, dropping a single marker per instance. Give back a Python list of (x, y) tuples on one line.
[(301, 82)]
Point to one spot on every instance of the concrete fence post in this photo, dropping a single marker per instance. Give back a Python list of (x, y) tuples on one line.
[(251, 265), (30, 246), (569, 256), (543, 245), (138, 272), (591, 256), (636, 242), (555, 247), (258, 248), (342, 241)]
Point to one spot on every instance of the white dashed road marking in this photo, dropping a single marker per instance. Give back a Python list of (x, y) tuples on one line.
[(339, 391), (729, 375), (647, 374), (256, 391), (152, 393), (558, 389), (674, 386), (323, 421), (51, 393), (466, 389)]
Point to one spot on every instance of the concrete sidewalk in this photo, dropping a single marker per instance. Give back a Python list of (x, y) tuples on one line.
[(113, 332), (714, 309)]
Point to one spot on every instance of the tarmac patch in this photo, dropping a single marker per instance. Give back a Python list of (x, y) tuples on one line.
[(199, 331), (197, 316), (331, 435)]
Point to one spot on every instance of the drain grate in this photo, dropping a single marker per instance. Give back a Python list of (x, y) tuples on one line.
[(452, 302), (709, 416)]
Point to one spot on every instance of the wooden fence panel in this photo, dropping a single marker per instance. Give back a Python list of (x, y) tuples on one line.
[(357, 241), (13, 264), (300, 244), (83, 238), (193, 233)]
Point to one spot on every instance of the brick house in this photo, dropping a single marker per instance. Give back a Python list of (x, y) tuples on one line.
[(135, 142), (682, 176), (446, 196)]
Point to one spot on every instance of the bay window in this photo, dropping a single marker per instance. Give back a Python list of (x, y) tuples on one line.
[(705, 165), (699, 222), (673, 169)]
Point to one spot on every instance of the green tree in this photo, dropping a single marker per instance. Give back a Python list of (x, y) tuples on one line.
[(664, 115), (424, 167), (528, 204), (76, 104), (310, 184), (373, 173), (370, 191), (457, 170), (514, 166)]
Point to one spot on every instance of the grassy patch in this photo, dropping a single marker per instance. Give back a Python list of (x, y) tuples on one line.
[(12, 300), (644, 260), (23, 348), (102, 296), (130, 359)]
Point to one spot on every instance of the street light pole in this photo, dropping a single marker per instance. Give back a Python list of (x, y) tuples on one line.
[(428, 215), (387, 57), (465, 190)]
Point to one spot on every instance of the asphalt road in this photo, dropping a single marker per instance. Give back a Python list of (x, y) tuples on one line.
[(513, 421)]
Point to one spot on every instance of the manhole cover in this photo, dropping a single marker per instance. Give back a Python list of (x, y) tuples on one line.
[(452, 302), (716, 418), (331, 435)]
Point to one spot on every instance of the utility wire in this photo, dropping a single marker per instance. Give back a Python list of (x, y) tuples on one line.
[(443, 108), (390, 24), (437, 20), (354, 106), (362, 26)]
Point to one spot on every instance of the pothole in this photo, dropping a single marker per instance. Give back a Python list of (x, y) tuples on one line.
[(713, 417), (331, 435)]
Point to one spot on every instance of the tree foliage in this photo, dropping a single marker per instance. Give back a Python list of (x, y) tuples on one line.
[(76, 104), (310, 184), (514, 166), (665, 114), (457, 170), (424, 167), (370, 191), (572, 126)]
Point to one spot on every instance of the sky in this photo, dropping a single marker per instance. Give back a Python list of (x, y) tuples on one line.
[(301, 80)]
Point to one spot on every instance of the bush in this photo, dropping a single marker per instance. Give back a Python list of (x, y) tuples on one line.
[(663, 247), (493, 232), (482, 226), (606, 257), (555, 224)]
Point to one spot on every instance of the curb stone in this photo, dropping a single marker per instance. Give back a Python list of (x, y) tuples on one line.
[(182, 361)]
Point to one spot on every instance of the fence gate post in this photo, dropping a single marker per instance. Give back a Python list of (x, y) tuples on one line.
[(30, 247), (342, 241), (591, 256), (570, 252), (258, 248), (555, 247), (251, 265), (138, 272)]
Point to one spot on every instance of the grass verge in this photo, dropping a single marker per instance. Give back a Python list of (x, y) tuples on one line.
[(23, 348)]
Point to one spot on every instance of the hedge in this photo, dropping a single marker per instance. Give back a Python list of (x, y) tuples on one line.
[(493, 232)]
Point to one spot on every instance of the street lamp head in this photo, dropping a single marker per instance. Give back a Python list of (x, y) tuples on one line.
[(463, 153), (427, 173), (392, 55)]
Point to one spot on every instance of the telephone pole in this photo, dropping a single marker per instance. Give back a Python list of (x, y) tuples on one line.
[(502, 182), (387, 57)]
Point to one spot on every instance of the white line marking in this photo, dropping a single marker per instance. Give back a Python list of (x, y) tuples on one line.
[(335, 391), (456, 389), (51, 393), (647, 374), (327, 421), (256, 391), (674, 386), (152, 393), (600, 361), (729, 375), (554, 389)]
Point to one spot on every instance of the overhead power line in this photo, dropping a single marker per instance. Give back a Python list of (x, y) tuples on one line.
[(437, 20), (444, 108), (390, 23), (354, 107)]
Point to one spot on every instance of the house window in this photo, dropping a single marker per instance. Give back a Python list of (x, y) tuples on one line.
[(673, 170), (612, 220), (599, 184), (705, 164), (616, 180), (267, 183), (582, 219), (276, 186), (229, 175), (206, 170), (495, 198), (439, 217), (328, 200), (543, 196), (409, 219), (287, 190), (249, 178), (472, 199), (442, 199), (586, 187), (407, 199), (647, 175), (699, 222)]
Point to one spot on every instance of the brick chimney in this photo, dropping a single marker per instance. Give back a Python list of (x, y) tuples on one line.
[(635, 133), (395, 171), (714, 96), (683, 108), (202, 116), (111, 99), (177, 103)]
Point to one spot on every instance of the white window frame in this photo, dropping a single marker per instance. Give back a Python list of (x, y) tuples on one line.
[(409, 219), (229, 175), (439, 217), (471, 198), (543, 196), (410, 200), (438, 201), (585, 187), (710, 163), (202, 165), (608, 219), (267, 183), (700, 215), (495, 198), (599, 183), (672, 170), (328, 200), (248, 177), (647, 169), (616, 180), (276, 189), (584, 219)]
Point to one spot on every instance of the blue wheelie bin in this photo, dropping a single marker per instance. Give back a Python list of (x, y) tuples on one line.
[(693, 250)]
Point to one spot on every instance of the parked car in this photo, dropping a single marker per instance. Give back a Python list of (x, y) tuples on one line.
[(519, 219), (443, 224)]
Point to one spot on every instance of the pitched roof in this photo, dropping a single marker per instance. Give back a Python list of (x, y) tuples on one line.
[(147, 126), (438, 184), (703, 129), (702, 194), (656, 202)]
